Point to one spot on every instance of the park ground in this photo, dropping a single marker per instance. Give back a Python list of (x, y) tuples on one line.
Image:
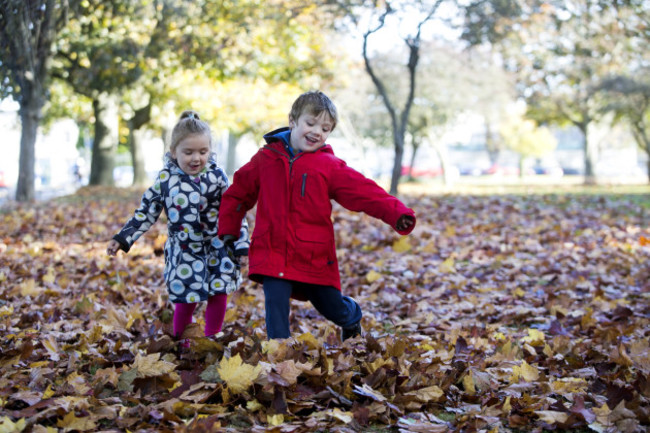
[(510, 308)]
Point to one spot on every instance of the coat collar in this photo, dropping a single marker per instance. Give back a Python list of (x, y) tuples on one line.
[(279, 139)]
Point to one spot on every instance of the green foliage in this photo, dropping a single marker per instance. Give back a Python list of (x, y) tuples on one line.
[(525, 137)]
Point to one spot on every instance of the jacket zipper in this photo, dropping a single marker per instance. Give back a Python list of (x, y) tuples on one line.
[(304, 182)]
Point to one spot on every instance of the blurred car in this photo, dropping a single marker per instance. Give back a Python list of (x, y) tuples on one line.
[(421, 172), (501, 170)]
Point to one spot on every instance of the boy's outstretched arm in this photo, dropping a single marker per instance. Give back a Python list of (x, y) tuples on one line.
[(356, 192)]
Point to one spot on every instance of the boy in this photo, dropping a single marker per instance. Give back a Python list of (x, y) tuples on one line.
[(292, 179)]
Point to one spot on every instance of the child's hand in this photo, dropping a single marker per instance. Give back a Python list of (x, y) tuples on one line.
[(243, 260), (112, 248), (404, 222)]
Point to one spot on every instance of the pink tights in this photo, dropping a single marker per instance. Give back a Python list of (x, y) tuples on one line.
[(215, 311)]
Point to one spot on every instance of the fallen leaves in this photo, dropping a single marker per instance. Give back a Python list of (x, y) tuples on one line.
[(502, 313)]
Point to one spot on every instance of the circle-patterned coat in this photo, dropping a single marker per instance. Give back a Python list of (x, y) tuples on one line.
[(197, 263)]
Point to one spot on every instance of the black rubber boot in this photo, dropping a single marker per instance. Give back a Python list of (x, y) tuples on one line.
[(351, 332)]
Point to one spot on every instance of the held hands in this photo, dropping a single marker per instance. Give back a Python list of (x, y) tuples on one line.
[(112, 247), (229, 242), (404, 222)]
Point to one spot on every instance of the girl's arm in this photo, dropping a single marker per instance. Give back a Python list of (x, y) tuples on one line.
[(144, 217)]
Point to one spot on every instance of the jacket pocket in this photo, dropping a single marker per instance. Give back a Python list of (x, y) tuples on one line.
[(260, 247), (313, 249)]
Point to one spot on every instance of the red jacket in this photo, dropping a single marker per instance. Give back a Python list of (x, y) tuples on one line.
[(294, 237)]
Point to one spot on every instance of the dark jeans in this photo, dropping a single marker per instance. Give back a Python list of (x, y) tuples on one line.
[(329, 302)]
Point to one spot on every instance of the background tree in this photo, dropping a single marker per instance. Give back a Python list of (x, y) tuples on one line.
[(100, 53), (526, 138), (28, 29), (171, 45), (369, 17), (560, 52), (629, 99)]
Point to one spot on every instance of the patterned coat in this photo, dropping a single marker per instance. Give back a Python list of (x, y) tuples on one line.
[(197, 264)]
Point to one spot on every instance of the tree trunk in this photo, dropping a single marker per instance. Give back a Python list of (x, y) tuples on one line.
[(590, 155), (444, 162), (490, 143), (30, 113), (141, 117), (231, 160), (397, 166), (415, 146), (642, 138), (105, 142), (136, 138)]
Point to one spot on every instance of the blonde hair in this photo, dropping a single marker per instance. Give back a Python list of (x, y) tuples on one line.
[(313, 102), (188, 124)]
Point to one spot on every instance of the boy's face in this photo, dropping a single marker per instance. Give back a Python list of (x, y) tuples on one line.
[(309, 132)]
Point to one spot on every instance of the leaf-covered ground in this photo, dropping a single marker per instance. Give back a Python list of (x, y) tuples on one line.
[(499, 313)]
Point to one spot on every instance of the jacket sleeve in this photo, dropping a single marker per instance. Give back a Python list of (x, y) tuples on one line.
[(144, 217), (243, 242), (357, 193), (238, 199)]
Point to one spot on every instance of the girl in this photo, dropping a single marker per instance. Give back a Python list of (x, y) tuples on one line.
[(198, 266)]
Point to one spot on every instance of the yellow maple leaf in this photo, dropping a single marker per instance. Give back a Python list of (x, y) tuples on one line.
[(72, 422), (345, 417), (8, 426), (569, 385), (6, 310), (534, 338), (425, 395), (254, 406), (275, 420), (402, 245), (309, 338), (49, 277), (372, 276), (507, 407), (524, 371), (288, 371), (52, 348), (602, 414), (78, 382), (152, 365), (447, 266), (552, 416), (49, 392), (29, 288), (237, 375), (468, 384)]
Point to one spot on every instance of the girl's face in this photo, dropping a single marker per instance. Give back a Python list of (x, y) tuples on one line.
[(309, 132), (192, 153)]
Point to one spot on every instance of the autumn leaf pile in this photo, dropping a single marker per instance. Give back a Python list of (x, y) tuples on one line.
[(499, 313)]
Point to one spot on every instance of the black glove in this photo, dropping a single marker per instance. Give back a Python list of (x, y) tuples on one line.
[(229, 244)]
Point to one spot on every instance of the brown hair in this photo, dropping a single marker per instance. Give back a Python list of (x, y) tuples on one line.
[(188, 124), (313, 102)]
